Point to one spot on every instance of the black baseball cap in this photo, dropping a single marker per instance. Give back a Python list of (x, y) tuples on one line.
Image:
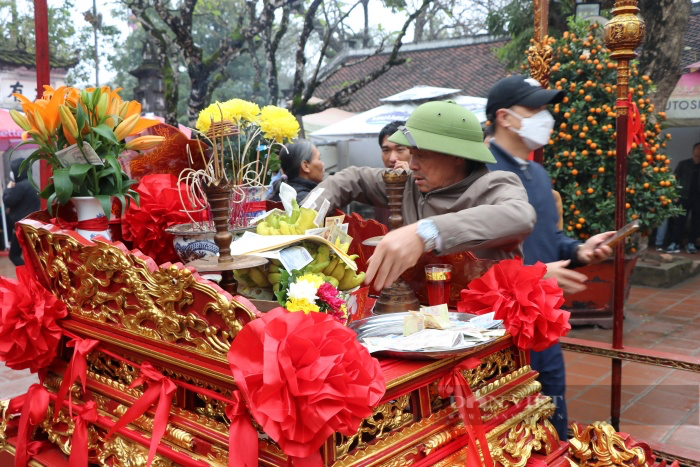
[(519, 90)]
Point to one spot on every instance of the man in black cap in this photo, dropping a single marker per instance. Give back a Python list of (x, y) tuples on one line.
[(517, 109)]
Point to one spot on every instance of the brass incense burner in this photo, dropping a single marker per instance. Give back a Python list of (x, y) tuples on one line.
[(399, 296)]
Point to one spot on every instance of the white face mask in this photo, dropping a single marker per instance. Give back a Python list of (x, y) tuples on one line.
[(535, 130)]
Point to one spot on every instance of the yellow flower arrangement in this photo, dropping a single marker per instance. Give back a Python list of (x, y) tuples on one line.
[(302, 304), (237, 111), (278, 124)]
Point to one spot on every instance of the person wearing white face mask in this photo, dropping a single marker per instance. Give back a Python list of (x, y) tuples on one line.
[(521, 123)]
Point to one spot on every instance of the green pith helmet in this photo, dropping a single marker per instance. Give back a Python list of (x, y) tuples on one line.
[(445, 127)]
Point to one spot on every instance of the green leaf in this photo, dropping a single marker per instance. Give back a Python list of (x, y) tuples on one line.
[(49, 203), (63, 184), (112, 162), (106, 202), (48, 191), (106, 132), (80, 118), (77, 172), (105, 172)]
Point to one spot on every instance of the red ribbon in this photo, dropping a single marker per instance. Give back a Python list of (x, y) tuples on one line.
[(454, 383), (242, 436), (76, 369), (160, 392), (79, 441), (635, 127), (35, 406), (94, 225)]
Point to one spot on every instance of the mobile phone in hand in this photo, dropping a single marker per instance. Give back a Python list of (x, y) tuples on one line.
[(621, 234)]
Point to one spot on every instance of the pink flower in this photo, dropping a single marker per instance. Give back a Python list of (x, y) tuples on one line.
[(329, 294)]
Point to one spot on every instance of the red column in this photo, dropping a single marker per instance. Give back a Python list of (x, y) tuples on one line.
[(43, 70)]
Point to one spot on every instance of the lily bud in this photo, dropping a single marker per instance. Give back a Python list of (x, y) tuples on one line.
[(20, 120), (40, 127), (124, 128), (102, 105), (68, 121), (142, 143), (85, 97), (123, 108)]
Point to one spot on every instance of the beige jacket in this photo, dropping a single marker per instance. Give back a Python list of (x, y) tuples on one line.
[(487, 212)]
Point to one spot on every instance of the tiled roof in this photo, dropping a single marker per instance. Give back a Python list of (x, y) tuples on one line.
[(28, 59), (691, 46), (470, 65)]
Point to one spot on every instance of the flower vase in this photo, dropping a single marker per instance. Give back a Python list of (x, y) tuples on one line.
[(247, 203), (89, 208)]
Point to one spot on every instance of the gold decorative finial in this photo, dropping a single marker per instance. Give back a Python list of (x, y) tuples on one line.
[(625, 32)]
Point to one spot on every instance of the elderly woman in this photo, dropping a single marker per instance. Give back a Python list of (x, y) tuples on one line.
[(302, 166)]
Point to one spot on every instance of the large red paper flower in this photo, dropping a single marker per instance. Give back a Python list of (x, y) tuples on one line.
[(528, 305), (29, 334), (159, 208), (304, 377)]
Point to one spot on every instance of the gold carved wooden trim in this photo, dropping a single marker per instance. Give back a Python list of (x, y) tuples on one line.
[(386, 417), (3, 423), (119, 451), (525, 433), (105, 283), (387, 445), (599, 445)]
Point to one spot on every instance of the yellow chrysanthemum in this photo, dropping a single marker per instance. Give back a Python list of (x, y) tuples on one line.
[(300, 304), (240, 111), (278, 124), (213, 113), (314, 279)]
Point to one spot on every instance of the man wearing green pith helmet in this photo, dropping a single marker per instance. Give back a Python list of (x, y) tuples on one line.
[(452, 203)]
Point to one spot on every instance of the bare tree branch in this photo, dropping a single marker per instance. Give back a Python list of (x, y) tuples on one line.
[(342, 96)]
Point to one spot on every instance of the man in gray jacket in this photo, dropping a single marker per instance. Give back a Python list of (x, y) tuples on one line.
[(452, 203)]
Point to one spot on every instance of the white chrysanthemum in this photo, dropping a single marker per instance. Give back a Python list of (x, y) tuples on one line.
[(302, 289)]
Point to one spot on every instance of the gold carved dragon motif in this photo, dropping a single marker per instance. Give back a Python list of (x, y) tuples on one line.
[(106, 283)]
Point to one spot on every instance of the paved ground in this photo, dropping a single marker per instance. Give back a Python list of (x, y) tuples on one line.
[(659, 405)]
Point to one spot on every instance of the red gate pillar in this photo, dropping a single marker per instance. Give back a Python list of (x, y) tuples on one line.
[(43, 70), (623, 34)]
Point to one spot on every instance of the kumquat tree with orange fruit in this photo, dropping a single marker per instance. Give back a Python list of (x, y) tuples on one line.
[(581, 155)]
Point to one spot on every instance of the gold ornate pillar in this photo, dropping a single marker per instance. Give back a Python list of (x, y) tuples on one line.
[(622, 35), (539, 55)]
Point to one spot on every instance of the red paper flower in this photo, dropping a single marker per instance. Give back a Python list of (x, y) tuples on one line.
[(304, 377), (159, 208), (29, 334), (528, 305)]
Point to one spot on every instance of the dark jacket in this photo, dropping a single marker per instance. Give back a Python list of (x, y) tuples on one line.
[(684, 176), (303, 187), (20, 200), (546, 243)]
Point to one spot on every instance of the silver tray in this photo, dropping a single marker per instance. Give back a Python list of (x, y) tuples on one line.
[(392, 323)]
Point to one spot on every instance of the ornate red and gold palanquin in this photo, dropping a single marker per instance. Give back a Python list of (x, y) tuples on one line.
[(183, 325)]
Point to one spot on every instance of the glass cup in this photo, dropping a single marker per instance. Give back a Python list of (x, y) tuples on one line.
[(438, 278)]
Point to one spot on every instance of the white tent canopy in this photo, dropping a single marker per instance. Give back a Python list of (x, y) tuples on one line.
[(369, 123), (353, 141)]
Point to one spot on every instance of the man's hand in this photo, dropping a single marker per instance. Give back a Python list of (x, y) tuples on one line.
[(11, 184), (396, 252), (591, 252), (569, 280), (401, 165)]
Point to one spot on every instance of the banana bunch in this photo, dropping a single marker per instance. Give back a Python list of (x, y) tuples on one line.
[(298, 223), (325, 263)]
